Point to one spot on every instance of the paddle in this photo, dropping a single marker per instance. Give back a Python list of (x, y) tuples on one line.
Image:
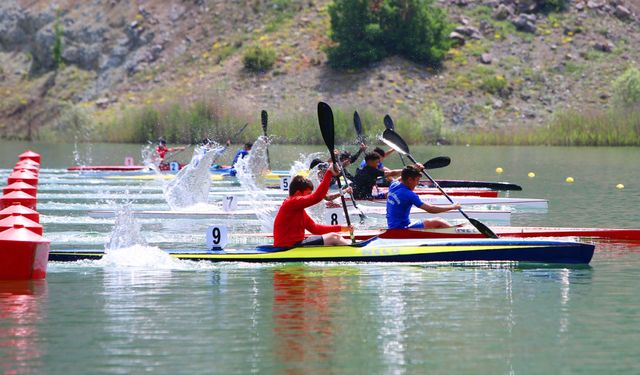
[(358, 125), (325, 119), (437, 162), (242, 129), (265, 118), (388, 123), (393, 140)]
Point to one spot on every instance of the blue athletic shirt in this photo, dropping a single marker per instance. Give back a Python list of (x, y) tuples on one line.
[(399, 202), (239, 155)]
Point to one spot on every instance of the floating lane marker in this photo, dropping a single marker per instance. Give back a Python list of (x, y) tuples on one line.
[(569, 180), (620, 186), (499, 170), (531, 175)]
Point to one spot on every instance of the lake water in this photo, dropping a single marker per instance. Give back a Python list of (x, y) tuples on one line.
[(144, 313)]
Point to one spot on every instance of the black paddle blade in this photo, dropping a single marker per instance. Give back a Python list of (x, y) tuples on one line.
[(388, 122), (325, 119), (357, 124), (482, 228), (393, 140), (437, 162), (265, 118)]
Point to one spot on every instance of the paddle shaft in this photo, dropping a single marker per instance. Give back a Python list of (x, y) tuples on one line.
[(344, 202), (265, 119), (353, 200), (481, 227)]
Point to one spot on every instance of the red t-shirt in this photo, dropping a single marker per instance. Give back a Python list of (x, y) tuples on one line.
[(292, 219), (162, 151)]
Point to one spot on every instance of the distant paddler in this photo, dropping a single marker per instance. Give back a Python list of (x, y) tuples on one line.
[(162, 150), (244, 151)]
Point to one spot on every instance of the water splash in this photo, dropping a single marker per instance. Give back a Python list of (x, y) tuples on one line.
[(82, 157), (191, 185), (126, 231), (301, 166), (251, 172), (150, 158)]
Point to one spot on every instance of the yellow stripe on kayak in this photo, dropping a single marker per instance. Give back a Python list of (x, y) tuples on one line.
[(320, 252)]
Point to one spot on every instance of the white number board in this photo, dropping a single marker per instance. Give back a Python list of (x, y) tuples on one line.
[(174, 166), (334, 216), (217, 237), (284, 182), (229, 203)]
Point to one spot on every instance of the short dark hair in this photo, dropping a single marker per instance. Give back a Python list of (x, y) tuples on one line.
[(371, 156), (161, 141), (248, 145), (314, 163), (299, 183), (344, 155), (410, 171), (380, 152)]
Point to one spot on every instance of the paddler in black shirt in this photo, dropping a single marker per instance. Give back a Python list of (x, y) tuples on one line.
[(366, 177)]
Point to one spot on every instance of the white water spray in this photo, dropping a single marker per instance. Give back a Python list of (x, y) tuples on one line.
[(251, 172), (191, 185), (126, 231)]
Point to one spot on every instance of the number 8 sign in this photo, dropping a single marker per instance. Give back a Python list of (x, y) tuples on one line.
[(217, 237)]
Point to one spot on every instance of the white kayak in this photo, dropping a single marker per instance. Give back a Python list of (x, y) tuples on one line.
[(491, 215)]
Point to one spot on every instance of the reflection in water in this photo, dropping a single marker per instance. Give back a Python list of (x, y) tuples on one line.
[(303, 311), (20, 313)]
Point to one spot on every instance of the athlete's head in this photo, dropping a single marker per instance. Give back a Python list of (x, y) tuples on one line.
[(300, 184)]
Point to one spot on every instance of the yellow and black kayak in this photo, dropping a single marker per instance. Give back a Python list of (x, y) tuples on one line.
[(387, 250)]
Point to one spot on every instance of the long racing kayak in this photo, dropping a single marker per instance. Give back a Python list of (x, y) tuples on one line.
[(498, 186), (386, 250)]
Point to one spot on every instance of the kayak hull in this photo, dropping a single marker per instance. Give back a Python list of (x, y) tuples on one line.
[(385, 250)]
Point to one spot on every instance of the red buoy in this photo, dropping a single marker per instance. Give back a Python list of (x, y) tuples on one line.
[(20, 186), (24, 176), (27, 167), (28, 154), (28, 162), (10, 221), (21, 197), (22, 210), (23, 254)]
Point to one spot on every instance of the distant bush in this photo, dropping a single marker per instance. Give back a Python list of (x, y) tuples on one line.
[(367, 31), (553, 5), (495, 84), (626, 89), (258, 59)]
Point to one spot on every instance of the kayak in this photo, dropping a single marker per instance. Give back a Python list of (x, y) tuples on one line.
[(490, 215), (531, 203), (466, 231), (499, 186), (386, 250)]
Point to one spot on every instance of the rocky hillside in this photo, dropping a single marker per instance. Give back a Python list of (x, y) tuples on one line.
[(513, 67)]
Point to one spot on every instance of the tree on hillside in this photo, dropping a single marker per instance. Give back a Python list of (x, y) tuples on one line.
[(355, 29), (367, 31)]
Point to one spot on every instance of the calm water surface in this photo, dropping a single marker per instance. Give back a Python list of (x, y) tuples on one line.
[(156, 315)]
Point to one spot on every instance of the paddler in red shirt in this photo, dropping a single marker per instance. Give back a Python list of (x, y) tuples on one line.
[(292, 219), (162, 149)]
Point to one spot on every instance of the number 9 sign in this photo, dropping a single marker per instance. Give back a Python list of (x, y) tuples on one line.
[(217, 237)]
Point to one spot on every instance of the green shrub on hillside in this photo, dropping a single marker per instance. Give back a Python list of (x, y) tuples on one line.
[(258, 59), (626, 89), (553, 5), (367, 31), (495, 84)]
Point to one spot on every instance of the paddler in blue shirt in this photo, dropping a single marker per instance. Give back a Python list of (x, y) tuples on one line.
[(401, 198), (244, 151)]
